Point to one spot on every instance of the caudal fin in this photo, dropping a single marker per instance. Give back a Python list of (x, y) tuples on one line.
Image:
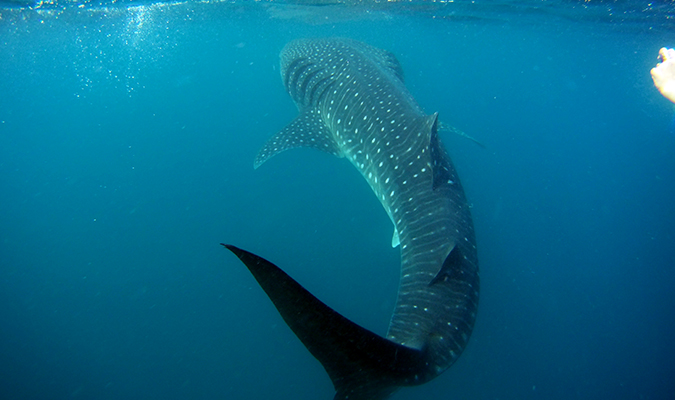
[(361, 364)]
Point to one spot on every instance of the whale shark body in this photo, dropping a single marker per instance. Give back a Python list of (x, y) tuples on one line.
[(353, 103)]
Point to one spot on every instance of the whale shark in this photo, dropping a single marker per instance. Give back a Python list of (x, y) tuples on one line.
[(353, 103)]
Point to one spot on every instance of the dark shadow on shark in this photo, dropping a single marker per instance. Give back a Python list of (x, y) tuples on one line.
[(353, 103)]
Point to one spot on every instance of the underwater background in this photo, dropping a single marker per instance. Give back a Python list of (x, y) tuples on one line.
[(127, 137)]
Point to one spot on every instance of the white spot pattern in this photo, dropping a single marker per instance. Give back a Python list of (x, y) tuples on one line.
[(353, 103)]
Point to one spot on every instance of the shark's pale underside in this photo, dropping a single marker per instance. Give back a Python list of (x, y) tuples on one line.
[(353, 103)]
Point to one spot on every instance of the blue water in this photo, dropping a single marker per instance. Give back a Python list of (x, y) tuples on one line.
[(127, 137)]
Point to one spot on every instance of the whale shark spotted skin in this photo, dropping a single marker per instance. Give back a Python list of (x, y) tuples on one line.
[(353, 103)]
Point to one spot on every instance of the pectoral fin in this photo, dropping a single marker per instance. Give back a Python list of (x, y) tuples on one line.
[(307, 130)]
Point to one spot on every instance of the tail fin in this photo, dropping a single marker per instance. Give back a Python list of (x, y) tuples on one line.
[(361, 364)]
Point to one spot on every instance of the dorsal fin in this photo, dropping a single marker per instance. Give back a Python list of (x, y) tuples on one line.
[(361, 364), (444, 172), (450, 268), (307, 130)]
